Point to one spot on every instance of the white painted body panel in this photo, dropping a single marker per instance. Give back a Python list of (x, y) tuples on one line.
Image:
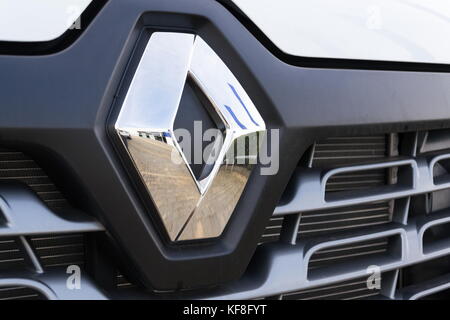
[(38, 20), (390, 30)]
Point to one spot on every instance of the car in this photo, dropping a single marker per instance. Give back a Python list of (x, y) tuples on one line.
[(225, 149)]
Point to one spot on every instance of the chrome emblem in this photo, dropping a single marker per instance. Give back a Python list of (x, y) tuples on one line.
[(190, 207)]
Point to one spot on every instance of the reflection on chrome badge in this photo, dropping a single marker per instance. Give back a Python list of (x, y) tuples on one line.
[(190, 207)]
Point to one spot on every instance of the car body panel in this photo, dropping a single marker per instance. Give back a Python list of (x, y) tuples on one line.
[(387, 30)]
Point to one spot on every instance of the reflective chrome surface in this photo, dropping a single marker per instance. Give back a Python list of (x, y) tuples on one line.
[(190, 208)]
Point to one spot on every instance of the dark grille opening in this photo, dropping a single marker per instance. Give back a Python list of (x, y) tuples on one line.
[(423, 272), (11, 256), (348, 290), (20, 293), (426, 276), (435, 140), (16, 166), (59, 250), (441, 171), (436, 237)]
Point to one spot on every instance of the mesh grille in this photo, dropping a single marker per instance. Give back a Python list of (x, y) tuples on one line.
[(16, 166)]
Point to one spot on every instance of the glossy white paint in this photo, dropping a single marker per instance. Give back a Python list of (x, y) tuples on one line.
[(38, 20), (391, 30)]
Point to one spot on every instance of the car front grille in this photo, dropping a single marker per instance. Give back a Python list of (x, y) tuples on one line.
[(358, 204), (40, 233)]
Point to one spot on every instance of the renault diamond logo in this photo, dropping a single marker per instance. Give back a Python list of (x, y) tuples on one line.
[(191, 205)]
